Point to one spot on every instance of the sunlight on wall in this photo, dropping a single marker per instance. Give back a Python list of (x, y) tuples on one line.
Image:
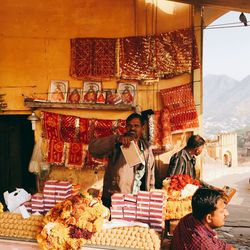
[(166, 6)]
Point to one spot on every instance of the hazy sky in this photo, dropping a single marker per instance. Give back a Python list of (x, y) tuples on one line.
[(227, 50)]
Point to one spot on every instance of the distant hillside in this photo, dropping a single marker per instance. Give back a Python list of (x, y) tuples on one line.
[(226, 103)]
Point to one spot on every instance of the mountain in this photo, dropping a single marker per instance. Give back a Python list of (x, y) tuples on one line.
[(226, 103)]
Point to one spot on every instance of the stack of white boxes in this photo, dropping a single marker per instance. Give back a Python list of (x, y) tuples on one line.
[(117, 206), (129, 210), (146, 207), (63, 190), (37, 203), (156, 211), (49, 193), (54, 192), (143, 201)]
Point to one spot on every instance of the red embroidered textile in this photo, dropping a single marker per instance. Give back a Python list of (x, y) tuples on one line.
[(184, 118), (166, 128), (93, 58), (83, 130), (165, 55), (176, 53), (55, 152), (76, 133), (68, 128), (120, 127), (76, 154), (157, 132), (103, 128), (137, 57), (180, 103), (51, 125)]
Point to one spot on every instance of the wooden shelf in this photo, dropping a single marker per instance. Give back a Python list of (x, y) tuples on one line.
[(60, 105)]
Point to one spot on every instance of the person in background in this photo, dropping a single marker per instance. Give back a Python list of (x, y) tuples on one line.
[(119, 177), (183, 162), (196, 230)]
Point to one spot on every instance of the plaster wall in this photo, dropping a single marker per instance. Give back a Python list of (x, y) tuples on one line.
[(35, 48)]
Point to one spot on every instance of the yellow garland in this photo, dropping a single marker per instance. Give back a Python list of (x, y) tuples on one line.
[(80, 212)]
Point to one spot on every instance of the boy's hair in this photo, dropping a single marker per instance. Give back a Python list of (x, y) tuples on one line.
[(204, 201)]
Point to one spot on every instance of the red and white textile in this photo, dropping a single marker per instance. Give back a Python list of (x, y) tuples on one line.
[(93, 58), (180, 106), (176, 53), (75, 155)]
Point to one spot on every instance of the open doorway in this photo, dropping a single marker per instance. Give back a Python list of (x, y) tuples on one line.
[(16, 146)]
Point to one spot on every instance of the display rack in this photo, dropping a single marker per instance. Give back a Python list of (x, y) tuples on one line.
[(93, 106)]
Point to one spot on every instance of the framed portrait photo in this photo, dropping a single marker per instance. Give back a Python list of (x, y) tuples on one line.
[(101, 97), (127, 92), (74, 95), (58, 91), (90, 91)]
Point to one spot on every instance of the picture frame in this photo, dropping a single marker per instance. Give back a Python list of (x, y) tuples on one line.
[(90, 91), (127, 92), (101, 97), (74, 95), (58, 91), (112, 97)]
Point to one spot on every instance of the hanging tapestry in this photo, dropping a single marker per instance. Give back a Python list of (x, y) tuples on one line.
[(137, 58), (176, 53), (75, 155), (51, 125), (76, 132), (180, 104), (166, 55), (184, 118), (83, 130), (103, 128), (68, 128), (93, 58), (157, 131), (119, 126), (55, 152), (166, 129)]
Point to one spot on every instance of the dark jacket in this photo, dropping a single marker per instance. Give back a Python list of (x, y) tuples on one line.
[(119, 177), (182, 163)]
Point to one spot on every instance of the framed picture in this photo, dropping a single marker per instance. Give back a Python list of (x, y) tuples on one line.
[(58, 91), (90, 90), (112, 97), (101, 97), (127, 92), (74, 95)]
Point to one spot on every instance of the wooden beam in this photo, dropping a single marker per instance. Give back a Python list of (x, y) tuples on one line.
[(232, 5), (45, 105)]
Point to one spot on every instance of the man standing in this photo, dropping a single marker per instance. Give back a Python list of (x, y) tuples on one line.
[(196, 230), (183, 162), (119, 177)]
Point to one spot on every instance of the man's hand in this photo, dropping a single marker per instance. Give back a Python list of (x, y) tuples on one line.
[(125, 140)]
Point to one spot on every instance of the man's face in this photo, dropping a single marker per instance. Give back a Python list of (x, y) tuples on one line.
[(219, 215), (134, 128), (198, 151)]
